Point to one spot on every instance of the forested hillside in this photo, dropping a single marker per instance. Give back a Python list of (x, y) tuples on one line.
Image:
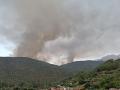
[(22, 72), (104, 77), (75, 67), (16, 71)]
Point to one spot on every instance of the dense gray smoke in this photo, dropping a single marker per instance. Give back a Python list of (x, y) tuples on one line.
[(43, 23), (60, 31)]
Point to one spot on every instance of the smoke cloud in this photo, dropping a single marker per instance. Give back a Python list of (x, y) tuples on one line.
[(61, 31)]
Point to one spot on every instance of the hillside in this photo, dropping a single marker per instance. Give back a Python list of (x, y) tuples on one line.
[(17, 71), (75, 67), (29, 68), (106, 76)]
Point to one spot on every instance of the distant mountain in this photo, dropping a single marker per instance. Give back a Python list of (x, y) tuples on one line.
[(108, 57), (75, 67)]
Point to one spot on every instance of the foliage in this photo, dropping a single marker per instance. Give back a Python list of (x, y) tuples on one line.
[(78, 66), (24, 71), (106, 76)]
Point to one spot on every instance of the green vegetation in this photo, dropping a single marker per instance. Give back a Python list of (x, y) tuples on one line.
[(75, 67), (21, 73), (106, 76), (33, 85), (29, 73)]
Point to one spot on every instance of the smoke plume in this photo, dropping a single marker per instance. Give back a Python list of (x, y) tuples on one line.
[(60, 31)]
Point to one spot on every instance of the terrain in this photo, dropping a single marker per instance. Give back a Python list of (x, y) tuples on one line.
[(77, 66), (27, 72), (104, 77)]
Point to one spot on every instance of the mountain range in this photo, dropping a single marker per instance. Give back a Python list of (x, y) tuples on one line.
[(23, 68)]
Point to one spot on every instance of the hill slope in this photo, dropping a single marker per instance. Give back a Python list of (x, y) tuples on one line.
[(81, 66), (30, 69), (17, 71), (106, 76), (27, 69)]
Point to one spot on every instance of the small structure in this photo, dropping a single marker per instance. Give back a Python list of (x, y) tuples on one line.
[(113, 89), (64, 88)]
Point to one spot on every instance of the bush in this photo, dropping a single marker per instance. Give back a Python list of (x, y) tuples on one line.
[(108, 66)]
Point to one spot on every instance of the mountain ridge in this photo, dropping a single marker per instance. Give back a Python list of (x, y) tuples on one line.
[(17, 70), (104, 77)]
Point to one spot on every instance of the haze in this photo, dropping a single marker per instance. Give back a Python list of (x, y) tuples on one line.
[(59, 31)]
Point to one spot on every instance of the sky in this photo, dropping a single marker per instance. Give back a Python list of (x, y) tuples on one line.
[(59, 31)]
